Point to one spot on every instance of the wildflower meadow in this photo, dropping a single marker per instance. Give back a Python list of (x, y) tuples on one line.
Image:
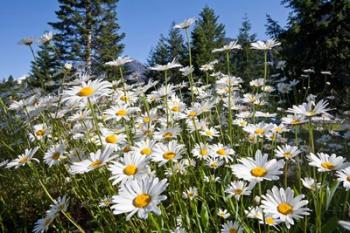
[(212, 153)]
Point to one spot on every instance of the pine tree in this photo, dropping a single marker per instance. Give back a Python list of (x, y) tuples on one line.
[(176, 45), (317, 36), (207, 35), (246, 59), (158, 55), (44, 67), (85, 30)]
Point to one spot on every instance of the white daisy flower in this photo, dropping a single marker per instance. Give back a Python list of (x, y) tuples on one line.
[(201, 151), (230, 227), (112, 138), (185, 24), (24, 158), (267, 45), (42, 225), (139, 196), (119, 61), (325, 162), (170, 65), (129, 167), (96, 160), (121, 111), (214, 163), (281, 204), (54, 155), (239, 188), (258, 169), (90, 90), (223, 213), (164, 153), (311, 109), (287, 152), (190, 193), (40, 131), (144, 148), (293, 119), (259, 130), (344, 176), (344, 224), (310, 183), (231, 46), (222, 152)]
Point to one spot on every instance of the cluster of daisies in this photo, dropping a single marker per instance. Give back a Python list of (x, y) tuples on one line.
[(145, 135)]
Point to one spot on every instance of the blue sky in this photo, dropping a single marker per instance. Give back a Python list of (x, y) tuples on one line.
[(142, 21)]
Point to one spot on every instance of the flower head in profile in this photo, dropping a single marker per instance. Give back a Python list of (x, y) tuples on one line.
[(239, 188), (287, 152), (310, 183), (139, 196), (24, 158), (267, 45), (119, 61), (190, 193), (170, 65), (325, 162), (282, 205), (344, 224), (185, 24), (231, 46), (311, 109), (95, 161), (46, 37), (258, 169), (344, 176)]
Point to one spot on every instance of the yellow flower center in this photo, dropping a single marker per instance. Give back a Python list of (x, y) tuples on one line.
[(111, 138), (142, 200), (269, 220), (285, 208), (23, 160), (123, 98), (310, 113), (221, 152), (126, 149), (287, 154), (146, 151), (258, 172), (203, 152), (95, 164), (130, 170), (232, 230), (192, 114), (121, 112), (146, 119), (327, 165), (175, 109), (295, 122), (259, 131), (55, 155), (86, 91), (214, 165), (237, 191), (169, 155), (208, 133), (167, 135), (348, 178), (278, 129), (40, 133)]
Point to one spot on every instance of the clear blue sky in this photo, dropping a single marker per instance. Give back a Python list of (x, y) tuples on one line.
[(142, 21)]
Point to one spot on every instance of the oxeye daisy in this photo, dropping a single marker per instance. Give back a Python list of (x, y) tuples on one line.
[(344, 224), (39, 132), (267, 45), (167, 134), (293, 120), (42, 225), (185, 24), (112, 138), (209, 132), (54, 155), (144, 148), (325, 162), (239, 188), (24, 158), (164, 153), (122, 111), (190, 193), (258, 169), (230, 227), (201, 151), (310, 183), (214, 163), (222, 152), (259, 130), (90, 90), (281, 204), (288, 152), (96, 160), (131, 166), (223, 213), (139, 196), (310, 109), (344, 176)]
